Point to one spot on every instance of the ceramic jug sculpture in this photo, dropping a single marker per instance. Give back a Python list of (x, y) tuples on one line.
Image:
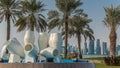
[(49, 52), (30, 53), (14, 58), (42, 41), (15, 47), (55, 41), (3, 49), (29, 37)]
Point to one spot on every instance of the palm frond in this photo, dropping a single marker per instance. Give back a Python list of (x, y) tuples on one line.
[(21, 24), (112, 17), (31, 10)]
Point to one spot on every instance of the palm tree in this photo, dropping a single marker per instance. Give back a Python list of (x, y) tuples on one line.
[(9, 10), (80, 27), (31, 16), (112, 21), (66, 8)]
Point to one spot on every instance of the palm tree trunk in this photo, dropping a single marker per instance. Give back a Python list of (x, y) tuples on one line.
[(32, 27), (66, 37), (8, 29), (79, 46), (113, 37)]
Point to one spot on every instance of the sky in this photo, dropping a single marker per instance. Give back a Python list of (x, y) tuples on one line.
[(95, 11)]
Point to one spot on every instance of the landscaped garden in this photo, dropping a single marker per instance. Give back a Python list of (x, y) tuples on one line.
[(102, 65)]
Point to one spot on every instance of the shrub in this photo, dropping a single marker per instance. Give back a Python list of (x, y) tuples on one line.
[(112, 61)]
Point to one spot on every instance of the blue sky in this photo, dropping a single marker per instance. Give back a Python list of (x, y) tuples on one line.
[(95, 10)]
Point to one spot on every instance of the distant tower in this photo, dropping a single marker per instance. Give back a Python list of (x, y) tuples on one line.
[(91, 47), (104, 48), (98, 48), (75, 49), (85, 50), (69, 49), (118, 50)]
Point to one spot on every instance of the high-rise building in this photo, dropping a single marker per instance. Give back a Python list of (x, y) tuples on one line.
[(85, 50), (98, 48), (75, 49), (104, 48), (91, 47), (118, 50), (70, 49)]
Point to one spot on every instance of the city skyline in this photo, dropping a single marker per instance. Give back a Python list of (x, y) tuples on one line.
[(95, 11), (98, 48)]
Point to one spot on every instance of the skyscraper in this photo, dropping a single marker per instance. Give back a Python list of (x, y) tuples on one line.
[(85, 50), (98, 48), (91, 47), (118, 50), (104, 48), (69, 49), (75, 49)]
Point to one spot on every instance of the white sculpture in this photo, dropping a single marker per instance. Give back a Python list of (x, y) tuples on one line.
[(2, 52), (29, 37), (56, 59), (49, 52), (41, 58), (42, 41), (30, 53), (15, 47), (14, 58), (55, 41)]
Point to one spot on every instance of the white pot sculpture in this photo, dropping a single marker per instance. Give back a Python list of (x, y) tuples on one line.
[(42, 41), (14, 58), (15, 47), (30, 53), (29, 37), (2, 51), (49, 52), (55, 41)]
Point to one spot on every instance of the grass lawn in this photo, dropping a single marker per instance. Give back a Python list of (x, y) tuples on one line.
[(101, 65)]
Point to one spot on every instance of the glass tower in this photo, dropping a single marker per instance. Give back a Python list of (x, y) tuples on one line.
[(104, 48), (85, 50), (91, 47), (98, 48)]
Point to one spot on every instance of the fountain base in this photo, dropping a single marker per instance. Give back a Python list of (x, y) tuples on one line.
[(48, 65)]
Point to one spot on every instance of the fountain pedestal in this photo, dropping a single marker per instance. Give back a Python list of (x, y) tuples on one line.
[(48, 65)]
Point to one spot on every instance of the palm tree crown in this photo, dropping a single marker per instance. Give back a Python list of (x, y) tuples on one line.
[(9, 10), (32, 17), (112, 18)]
